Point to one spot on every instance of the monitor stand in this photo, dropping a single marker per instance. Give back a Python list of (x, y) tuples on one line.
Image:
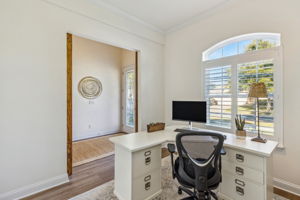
[(190, 127)]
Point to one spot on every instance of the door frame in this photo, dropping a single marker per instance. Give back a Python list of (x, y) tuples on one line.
[(69, 50)]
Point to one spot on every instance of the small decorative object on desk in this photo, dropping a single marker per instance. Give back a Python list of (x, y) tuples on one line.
[(240, 124), (152, 127)]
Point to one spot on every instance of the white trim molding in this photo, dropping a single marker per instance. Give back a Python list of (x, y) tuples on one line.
[(104, 15), (97, 134), (34, 188), (286, 186)]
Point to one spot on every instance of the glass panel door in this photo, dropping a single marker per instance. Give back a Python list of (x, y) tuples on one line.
[(129, 98)]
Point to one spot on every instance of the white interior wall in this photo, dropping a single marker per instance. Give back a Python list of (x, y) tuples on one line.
[(102, 115), (33, 85), (183, 54)]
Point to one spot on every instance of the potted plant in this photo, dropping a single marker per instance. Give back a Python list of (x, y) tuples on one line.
[(240, 124)]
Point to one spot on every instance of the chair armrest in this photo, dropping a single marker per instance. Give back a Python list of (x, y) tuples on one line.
[(223, 152), (171, 148)]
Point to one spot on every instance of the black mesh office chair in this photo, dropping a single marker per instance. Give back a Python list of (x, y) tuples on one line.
[(198, 166)]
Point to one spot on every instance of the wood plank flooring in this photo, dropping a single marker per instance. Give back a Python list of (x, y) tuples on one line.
[(88, 150), (285, 194), (85, 177), (90, 175)]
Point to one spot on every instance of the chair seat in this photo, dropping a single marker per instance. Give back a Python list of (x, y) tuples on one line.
[(213, 176)]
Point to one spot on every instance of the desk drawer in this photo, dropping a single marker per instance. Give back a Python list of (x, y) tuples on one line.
[(243, 172), (146, 160), (245, 159), (226, 187), (146, 185), (240, 189)]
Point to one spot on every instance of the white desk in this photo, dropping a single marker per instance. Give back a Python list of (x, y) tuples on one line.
[(247, 166)]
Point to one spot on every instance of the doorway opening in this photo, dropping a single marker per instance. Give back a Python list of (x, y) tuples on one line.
[(101, 98)]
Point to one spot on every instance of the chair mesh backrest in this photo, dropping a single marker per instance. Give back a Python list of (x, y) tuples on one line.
[(201, 146), (202, 150)]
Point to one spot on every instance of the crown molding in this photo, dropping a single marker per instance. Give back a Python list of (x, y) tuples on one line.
[(200, 16), (127, 15), (189, 21), (103, 15)]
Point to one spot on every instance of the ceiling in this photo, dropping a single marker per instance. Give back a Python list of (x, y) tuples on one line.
[(162, 14)]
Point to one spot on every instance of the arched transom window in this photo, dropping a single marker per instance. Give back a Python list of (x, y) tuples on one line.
[(229, 69), (242, 44)]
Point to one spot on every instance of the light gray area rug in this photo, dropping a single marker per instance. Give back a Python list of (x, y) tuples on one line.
[(169, 188)]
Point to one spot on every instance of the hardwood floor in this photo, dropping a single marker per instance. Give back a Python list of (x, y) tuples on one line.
[(285, 194), (90, 175), (85, 177), (88, 150)]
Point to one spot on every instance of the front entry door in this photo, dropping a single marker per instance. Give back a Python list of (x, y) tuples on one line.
[(128, 100)]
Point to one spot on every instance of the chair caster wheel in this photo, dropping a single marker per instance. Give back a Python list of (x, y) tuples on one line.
[(179, 191)]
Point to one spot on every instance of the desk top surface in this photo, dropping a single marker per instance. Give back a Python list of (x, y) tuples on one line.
[(142, 140)]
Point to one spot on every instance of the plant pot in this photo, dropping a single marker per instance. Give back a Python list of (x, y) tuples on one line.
[(240, 134)]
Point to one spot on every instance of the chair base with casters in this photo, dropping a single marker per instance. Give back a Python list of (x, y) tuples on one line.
[(193, 194), (207, 172)]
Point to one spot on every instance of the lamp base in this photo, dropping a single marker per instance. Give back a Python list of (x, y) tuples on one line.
[(259, 139)]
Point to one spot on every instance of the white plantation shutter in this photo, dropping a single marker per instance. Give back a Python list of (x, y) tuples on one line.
[(261, 71), (218, 96)]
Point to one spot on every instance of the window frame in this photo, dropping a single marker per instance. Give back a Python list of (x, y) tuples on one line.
[(274, 54), (251, 36)]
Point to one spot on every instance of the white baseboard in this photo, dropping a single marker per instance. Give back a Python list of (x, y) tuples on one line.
[(287, 186), (91, 135), (34, 188)]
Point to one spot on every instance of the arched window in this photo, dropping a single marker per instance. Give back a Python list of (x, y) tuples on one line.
[(242, 44), (229, 69)]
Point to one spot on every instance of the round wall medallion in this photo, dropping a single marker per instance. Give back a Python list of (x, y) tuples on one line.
[(90, 87)]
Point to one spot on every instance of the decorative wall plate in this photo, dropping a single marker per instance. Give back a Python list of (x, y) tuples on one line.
[(90, 87)]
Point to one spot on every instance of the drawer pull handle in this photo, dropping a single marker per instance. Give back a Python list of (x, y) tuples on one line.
[(147, 153), (239, 182), (239, 170), (147, 186), (239, 157), (147, 178), (147, 160), (240, 190)]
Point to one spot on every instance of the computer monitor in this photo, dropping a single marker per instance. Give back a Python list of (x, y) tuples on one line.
[(191, 111)]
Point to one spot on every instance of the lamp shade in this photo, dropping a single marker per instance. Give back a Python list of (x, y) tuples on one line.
[(258, 90)]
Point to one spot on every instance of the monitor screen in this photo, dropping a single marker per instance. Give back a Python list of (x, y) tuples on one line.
[(193, 111)]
